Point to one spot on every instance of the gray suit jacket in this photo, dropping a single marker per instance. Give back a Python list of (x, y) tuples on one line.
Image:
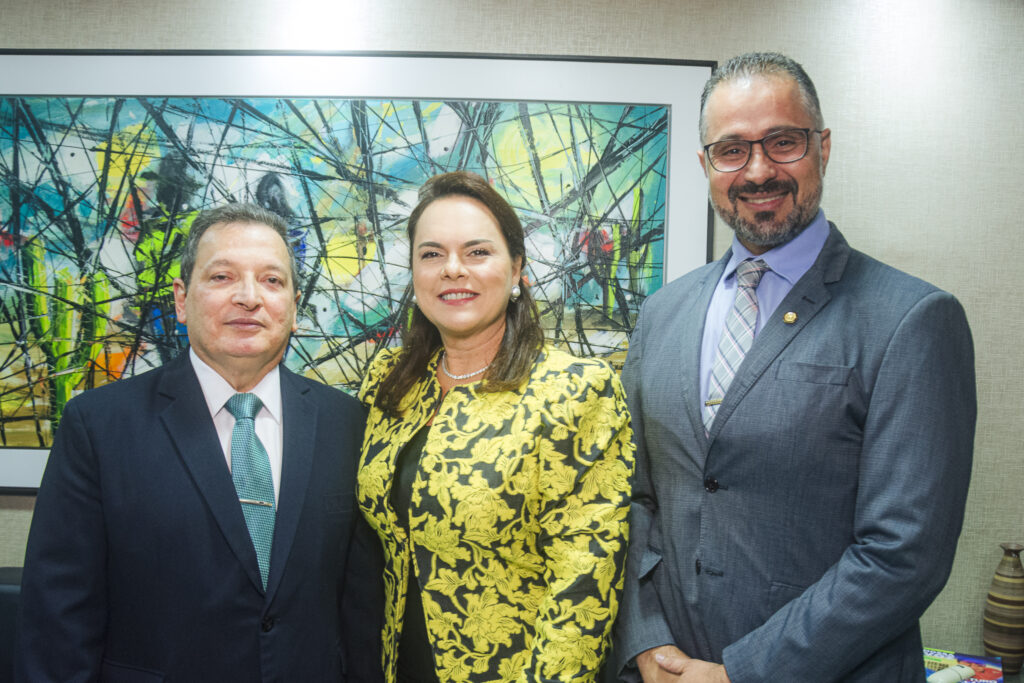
[(804, 538)]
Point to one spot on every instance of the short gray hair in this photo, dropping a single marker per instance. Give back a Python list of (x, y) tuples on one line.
[(233, 213), (763, 64)]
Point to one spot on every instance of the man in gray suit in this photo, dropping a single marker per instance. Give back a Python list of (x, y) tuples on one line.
[(798, 496)]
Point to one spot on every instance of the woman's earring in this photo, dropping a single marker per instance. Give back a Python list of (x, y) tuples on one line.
[(516, 292), (412, 299)]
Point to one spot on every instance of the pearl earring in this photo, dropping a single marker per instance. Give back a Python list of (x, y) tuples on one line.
[(412, 299), (516, 292)]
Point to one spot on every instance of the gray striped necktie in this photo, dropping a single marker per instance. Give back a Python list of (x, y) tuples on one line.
[(737, 336), (250, 471)]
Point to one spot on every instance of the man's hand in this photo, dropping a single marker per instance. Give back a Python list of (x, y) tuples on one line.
[(650, 664), (667, 663)]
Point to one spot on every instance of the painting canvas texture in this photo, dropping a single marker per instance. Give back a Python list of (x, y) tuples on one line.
[(98, 195)]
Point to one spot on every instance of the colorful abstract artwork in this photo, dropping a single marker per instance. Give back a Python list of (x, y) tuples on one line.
[(99, 192)]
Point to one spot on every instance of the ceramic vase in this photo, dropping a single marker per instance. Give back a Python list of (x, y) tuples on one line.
[(1003, 631)]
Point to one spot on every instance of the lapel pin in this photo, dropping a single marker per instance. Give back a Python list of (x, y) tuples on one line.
[(789, 318)]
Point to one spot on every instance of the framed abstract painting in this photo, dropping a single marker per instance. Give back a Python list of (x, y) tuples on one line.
[(107, 158)]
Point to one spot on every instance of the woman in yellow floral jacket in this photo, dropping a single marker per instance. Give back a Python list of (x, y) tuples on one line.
[(495, 469)]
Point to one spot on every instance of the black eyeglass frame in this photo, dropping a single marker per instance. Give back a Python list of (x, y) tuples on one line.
[(750, 151)]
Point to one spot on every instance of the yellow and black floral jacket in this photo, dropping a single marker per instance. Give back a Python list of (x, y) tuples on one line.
[(517, 523)]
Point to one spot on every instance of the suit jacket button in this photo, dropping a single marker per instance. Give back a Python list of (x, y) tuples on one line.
[(266, 625), (710, 484)]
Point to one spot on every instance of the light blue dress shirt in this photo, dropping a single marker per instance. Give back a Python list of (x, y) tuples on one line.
[(788, 263)]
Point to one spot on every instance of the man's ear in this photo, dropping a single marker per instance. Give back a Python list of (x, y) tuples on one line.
[(179, 300), (826, 148), (700, 158)]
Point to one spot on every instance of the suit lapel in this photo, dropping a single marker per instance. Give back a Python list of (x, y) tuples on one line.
[(808, 296), (191, 430), (299, 421)]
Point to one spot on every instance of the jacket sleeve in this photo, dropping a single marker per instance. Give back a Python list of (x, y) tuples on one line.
[(362, 591), (641, 624), (914, 469), (586, 466), (63, 604), (362, 605)]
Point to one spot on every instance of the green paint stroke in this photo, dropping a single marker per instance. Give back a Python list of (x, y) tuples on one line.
[(66, 318)]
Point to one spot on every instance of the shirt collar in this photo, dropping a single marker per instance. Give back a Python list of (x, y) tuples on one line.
[(217, 390), (790, 260)]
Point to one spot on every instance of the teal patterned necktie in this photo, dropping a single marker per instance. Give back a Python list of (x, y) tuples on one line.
[(250, 471), (737, 336)]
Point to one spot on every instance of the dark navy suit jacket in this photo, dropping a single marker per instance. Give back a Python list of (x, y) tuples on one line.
[(804, 537), (139, 565)]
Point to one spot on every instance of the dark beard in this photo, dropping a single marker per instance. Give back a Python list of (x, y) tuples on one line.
[(764, 232)]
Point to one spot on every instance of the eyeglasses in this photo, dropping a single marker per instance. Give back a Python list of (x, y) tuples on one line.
[(782, 147)]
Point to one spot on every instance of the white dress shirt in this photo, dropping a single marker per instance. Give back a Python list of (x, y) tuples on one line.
[(269, 429)]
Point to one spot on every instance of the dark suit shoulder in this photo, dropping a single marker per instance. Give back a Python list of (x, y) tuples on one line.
[(841, 263), (881, 289), (684, 286), (867, 268), (131, 393), (321, 393)]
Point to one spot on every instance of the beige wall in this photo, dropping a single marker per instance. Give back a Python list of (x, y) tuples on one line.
[(924, 101)]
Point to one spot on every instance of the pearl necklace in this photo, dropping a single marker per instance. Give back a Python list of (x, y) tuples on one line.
[(444, 369)]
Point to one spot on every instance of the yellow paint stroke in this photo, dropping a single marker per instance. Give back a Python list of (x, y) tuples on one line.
[(346, 255), (130, 150), (511, 148)]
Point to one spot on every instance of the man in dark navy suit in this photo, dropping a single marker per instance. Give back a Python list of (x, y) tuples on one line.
[(142, 565)]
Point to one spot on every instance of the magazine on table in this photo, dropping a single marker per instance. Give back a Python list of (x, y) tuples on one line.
[(945, 666)]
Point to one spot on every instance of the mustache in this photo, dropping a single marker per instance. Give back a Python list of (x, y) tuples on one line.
[(773, 186)]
